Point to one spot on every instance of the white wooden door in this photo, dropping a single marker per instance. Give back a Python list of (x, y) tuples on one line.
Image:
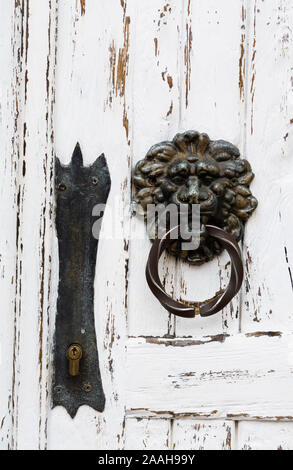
[(119, 76)]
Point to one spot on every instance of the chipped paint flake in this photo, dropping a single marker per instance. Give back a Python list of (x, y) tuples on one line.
[(187, 61), (82, 7)]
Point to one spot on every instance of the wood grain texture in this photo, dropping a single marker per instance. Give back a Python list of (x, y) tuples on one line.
[(31, 156), (10, 44), (265, 436), (238, 377), (147, 434), (192, 434), (267, 292)]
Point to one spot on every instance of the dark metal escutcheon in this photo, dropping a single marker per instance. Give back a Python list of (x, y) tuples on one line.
[(77, 377)]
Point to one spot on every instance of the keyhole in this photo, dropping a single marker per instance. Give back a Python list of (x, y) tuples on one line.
[(74, 354)]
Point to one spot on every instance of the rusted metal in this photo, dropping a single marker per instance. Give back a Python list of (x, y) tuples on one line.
[(78, 190), (192, 169)]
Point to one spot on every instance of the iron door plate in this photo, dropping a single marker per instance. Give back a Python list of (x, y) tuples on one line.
[(78, 190)]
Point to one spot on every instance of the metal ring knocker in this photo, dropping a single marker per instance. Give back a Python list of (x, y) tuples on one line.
[(190, 309), (193, 169)]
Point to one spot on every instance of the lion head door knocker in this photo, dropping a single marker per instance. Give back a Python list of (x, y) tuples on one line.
[(192, 169)]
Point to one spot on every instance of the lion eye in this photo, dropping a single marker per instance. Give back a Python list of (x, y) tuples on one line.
[(178, 180), (207, 179)]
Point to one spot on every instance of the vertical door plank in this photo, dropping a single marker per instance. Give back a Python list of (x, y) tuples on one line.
[(211, 102), (265, 436), (267, 300), (34, 151), (155, 87), (147, 434), (191, 434), (10, 166), (93, 107), (268, 291)]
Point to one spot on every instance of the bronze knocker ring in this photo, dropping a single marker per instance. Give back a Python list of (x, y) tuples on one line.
[(190, 309)]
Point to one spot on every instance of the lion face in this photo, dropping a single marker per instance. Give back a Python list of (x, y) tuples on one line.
[(192, 169)]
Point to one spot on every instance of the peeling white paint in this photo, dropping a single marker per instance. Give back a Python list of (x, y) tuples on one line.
[(118, 83)]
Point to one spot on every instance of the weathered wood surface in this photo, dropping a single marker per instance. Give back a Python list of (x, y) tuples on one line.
[(194, 434), (91, 108), (119, 78), (147, 434), (27, 55), (237, 377)]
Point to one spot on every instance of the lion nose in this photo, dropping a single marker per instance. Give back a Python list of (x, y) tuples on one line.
[(193, 190)]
